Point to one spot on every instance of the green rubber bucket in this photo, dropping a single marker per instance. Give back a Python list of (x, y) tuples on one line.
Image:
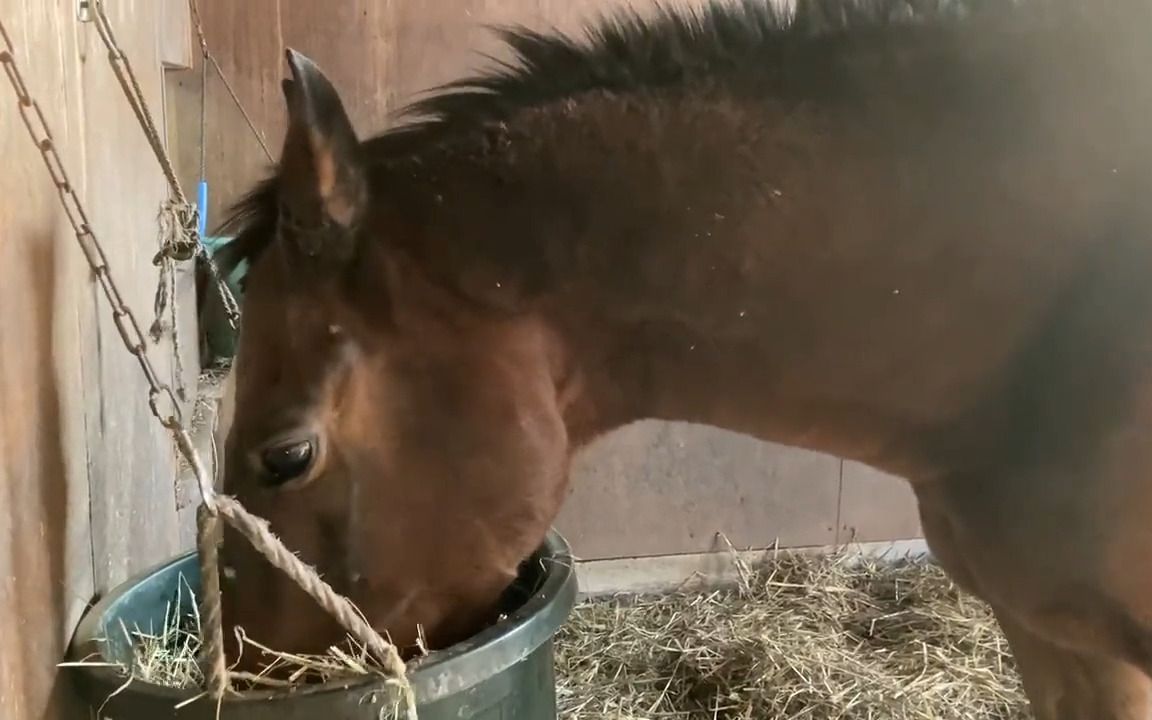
[(506, 672)]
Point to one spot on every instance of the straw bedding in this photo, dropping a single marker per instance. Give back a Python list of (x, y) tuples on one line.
[(804, 636)]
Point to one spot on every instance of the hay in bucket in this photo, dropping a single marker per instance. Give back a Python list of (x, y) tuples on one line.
[(803, 636), (169, 656)]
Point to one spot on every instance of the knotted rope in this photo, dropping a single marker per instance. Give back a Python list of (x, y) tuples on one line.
[(257, 531)]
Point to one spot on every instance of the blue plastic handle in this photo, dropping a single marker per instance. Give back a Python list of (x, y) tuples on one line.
[(202, 206)]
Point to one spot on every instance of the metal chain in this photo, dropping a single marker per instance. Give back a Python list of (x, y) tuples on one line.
[(166, 409), (160, 397)]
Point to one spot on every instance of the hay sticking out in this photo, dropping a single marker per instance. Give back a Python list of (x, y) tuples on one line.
[(286, 670), (814, 637), (170, 656), (167, 658)]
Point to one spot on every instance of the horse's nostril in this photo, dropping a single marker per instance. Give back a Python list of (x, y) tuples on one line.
[(287, 462)]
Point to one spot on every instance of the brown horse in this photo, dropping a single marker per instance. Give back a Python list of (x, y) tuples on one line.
[(918, 239)]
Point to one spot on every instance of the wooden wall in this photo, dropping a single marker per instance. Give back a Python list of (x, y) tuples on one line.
[(86, 477), (651, 489)]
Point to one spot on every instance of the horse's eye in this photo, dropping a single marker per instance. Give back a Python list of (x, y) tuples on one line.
[(285, 463)]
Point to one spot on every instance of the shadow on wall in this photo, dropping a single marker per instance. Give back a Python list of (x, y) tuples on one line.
[(34, 493)]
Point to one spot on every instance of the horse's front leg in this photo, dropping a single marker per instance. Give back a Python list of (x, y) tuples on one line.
[(1066, 685), (1040, 550)]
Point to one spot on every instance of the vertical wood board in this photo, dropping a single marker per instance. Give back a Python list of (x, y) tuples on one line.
[(83, 476)]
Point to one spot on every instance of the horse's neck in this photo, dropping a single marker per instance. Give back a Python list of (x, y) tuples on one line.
[(894, 351), (760, 383), (857, 326)]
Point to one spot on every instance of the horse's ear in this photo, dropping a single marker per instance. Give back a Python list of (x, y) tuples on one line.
[(322, 183)]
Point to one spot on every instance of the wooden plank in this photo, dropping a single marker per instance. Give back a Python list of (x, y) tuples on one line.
[(86, 475), (175, 34), (437, 43), (245, 38), (355, 41), (182, 123), (133, 511), (46, 574), (181, 90)]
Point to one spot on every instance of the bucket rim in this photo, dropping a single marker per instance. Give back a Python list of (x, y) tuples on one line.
[(438, 675)]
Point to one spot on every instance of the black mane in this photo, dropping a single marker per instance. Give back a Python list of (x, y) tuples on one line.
[(627, 51), (623, 52)]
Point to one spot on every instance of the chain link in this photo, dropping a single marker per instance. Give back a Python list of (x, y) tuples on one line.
[(161, 400)]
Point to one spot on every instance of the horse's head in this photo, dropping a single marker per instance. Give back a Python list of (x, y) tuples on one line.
[(407, 444)]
